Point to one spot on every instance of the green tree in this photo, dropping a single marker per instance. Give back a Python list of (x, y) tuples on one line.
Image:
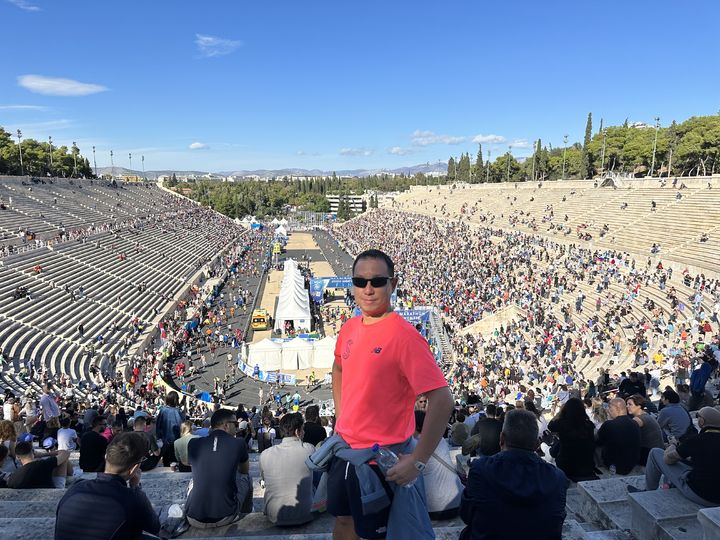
[(478, 172), (451, 169)]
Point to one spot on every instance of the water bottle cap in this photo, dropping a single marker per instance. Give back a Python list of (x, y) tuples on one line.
[(375, 447)]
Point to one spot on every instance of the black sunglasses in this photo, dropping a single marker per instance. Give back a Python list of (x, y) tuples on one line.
[(376, 282)]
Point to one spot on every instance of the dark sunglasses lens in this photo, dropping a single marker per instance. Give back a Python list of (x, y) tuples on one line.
[(376, 282)]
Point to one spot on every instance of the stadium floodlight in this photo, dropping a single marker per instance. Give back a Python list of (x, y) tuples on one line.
[(112, 165), (94, 162), (657, 128), (19, 136), (50, 165), (74, 152), (565, 138), (508, 161), (130, 158)]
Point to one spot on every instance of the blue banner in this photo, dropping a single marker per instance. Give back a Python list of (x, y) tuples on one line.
[(318, 285)]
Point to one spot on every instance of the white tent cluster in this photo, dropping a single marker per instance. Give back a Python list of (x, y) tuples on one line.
[(291, 355), (293, 301), (280, 225)]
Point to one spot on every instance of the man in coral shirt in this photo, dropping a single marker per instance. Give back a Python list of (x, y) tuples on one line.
[(381, 363)]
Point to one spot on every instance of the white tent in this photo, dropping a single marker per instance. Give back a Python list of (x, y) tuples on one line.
[(267, 354), (293, 300), (283, 221), (275, 221), (297, 354), (324, 354), (281, 231)]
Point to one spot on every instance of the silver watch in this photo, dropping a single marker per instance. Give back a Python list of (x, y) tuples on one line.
[(420, 466)]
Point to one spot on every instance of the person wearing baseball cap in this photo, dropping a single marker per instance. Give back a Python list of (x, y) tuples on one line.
[(700, 481)]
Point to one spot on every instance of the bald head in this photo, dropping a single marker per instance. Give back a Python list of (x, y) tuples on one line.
[(617, 407)]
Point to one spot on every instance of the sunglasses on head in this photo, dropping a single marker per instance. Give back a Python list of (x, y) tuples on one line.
[(376, 282)]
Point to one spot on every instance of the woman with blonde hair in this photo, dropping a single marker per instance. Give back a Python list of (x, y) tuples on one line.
[(181, 446), (8, 436)]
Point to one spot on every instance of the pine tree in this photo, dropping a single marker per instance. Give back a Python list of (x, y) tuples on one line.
[(586, 156), (451, 169), (478, 171)]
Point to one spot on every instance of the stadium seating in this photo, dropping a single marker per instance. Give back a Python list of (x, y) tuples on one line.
[(101, 255)]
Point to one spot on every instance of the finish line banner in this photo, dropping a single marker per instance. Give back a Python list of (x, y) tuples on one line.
[(413, 316), (318, 286)]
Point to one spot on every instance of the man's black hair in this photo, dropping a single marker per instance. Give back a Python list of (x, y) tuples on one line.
[(290, 423), (220, 417), (127, 449), (312, 413), (671, 395), (375, 254), (24, 448)]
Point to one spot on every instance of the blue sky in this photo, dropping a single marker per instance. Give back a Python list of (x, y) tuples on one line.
[(227, 85)]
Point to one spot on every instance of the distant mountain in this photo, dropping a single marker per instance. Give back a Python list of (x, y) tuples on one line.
[(425, 168)]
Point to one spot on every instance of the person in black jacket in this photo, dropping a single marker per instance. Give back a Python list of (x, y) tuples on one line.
[(575, 452), (106, 508), (314, 432), (619, 439)]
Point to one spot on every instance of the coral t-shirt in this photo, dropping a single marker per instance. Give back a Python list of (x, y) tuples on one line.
[(384, 367)]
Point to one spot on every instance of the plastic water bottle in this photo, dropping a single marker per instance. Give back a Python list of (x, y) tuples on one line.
[(386, 460)]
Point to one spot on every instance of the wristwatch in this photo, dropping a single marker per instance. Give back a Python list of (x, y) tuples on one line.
[(420, 466)]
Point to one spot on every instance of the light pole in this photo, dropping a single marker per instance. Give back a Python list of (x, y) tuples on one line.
[(50, 143), (564, 150), (602, 154), (94, 162), (142, 159), (508, 162), (130, 158), (657, 128), (487, 169), (536, 147), (112, 165), (74, 151), (19, 136)]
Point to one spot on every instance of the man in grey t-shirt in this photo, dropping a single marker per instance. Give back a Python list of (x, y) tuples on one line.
[(288, 481)]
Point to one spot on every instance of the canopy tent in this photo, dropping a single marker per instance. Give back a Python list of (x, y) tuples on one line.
[(324, 353), (297, 354), (283, 221), (293, 301), (267, 354), (275, 221), (281, 231)]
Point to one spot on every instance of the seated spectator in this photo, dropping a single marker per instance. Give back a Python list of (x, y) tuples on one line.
[(485, 435), (459, 431), (692, 467), (93, 446), (118, 511), (575, 451), (153, 456), (67, 438), (288, 481), (673, 419), (443, 488), (204, 428), (266, 434), (314, 433), (650, 432), (181, 446), (619, 439), (631, 386), (49, 472), (221, 484), (8, 436), (514, 494)]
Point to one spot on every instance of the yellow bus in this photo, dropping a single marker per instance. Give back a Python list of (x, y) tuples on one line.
[(260, 319)]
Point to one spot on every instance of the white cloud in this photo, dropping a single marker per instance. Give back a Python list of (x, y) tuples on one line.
[(41, 129), (51, 86), (426, 138), (22, 108), (356, 152), (488, 139), (399, 151), (24, 4), (209, 46), (520, 143), (198, 146)]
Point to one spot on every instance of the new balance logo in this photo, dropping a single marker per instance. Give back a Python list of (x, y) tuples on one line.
[(377, 350)]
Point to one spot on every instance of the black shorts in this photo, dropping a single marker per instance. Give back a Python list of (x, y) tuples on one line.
[(343, 491)]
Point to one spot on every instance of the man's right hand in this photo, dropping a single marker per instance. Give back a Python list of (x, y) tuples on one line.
[(134, 480)]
